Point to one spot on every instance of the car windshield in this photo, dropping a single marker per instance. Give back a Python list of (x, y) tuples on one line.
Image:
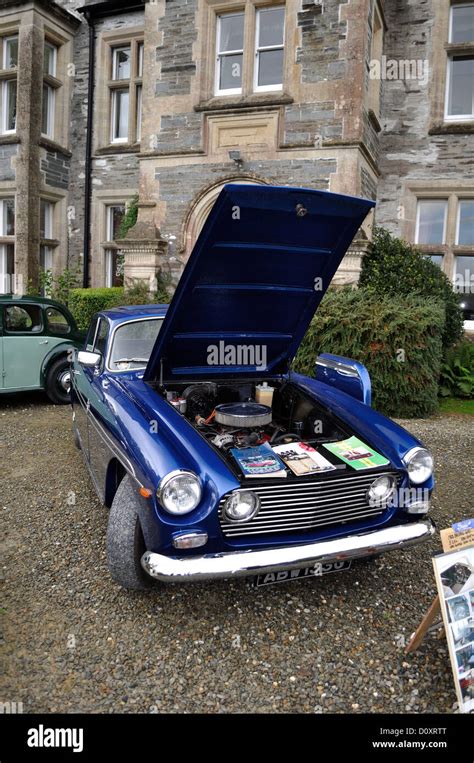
[(133, 343)]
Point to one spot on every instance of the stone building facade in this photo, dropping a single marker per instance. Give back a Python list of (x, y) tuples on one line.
[(170, 99)]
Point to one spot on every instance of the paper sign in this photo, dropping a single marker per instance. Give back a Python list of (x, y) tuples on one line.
[(454, 573), (458, 536)]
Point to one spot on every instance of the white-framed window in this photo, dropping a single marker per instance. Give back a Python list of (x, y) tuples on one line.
[(269, 48), (8, 106), (126, 92), (460, 72), (120, 115), (121, 63), (431, 217), (260, 52), (376, 51), (465, 223), (445, 234), (47, 121), (230, 53), (140, 55), (10, 52), (46, 234), (50, 62), (7, 247), (461, 23), (8, 84), (113, 271), (139, 112)]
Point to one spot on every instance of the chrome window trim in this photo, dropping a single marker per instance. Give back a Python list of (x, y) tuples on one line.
[(112, 339)]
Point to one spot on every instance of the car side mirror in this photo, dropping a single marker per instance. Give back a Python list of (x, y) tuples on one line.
[(89, 359)]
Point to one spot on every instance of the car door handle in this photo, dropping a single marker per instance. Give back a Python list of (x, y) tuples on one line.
[(45, 341)]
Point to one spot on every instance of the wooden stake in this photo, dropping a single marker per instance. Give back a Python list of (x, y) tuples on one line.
[(432, 614)]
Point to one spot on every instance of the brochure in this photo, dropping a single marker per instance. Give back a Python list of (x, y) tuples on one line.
[(259, 461), (302, 458), (356, 454)]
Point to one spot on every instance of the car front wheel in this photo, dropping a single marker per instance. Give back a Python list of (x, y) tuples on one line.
[(58, 382), (125, 543)]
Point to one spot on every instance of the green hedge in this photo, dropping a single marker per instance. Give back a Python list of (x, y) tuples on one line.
[(396, 268), (397, 338), (83, 303)]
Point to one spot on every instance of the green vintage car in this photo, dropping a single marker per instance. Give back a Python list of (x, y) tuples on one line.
[(37, 336)]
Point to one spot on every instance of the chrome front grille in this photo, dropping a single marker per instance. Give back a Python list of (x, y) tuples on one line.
[(306, 505)]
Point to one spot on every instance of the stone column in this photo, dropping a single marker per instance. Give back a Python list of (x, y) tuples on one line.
[(145, 252), (28, 176), (350, 267)]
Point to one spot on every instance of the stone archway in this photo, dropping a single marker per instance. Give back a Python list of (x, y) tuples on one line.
[(201, 207)]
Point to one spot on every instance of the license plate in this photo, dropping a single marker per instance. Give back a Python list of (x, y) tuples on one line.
[(284, 576)]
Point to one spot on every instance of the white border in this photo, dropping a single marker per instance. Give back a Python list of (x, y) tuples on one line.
[(267, 88), (220, 54)]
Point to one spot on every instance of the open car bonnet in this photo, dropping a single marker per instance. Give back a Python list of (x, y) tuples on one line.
[(254, 280)]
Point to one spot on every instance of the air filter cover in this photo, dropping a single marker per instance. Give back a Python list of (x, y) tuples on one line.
[(243, 414)]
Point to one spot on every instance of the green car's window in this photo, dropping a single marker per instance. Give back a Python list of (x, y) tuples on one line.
[(57, 321), (133, 343), (23, 319)]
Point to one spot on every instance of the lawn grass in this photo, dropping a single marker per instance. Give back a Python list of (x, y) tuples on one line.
[(456, 405)]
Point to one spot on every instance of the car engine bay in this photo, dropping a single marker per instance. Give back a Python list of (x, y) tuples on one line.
[(232, 414)]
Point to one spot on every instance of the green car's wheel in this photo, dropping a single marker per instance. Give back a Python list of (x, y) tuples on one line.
[(125, 544), (58, 381)]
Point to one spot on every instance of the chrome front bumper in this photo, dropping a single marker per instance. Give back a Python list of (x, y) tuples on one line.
[(239, 563)]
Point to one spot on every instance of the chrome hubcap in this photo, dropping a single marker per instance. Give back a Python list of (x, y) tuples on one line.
[(64, 380)]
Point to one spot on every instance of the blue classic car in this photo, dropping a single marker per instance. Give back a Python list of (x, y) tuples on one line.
[(171, 405)]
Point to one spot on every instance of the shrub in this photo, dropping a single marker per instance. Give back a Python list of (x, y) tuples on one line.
[(83, 303), (397, 338), (59, 288), (457, 372), (129, 219), (395, 267)]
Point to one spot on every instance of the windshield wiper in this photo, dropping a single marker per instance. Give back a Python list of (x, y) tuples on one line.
[(131, 360)]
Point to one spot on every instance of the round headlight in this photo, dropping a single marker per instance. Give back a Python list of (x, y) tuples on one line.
[(419, 463), (241, 506), (381, 490), (179, 492)]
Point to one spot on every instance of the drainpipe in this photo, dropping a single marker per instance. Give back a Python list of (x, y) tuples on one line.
[(88, 162)]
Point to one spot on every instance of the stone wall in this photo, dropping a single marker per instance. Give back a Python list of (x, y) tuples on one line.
[(55, 166), (309, 134), (411, 151)]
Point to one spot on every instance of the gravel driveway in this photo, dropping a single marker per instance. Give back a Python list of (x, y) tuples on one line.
[(73, 641)]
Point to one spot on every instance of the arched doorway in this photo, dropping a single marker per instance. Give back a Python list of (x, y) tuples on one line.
[(201, 207)]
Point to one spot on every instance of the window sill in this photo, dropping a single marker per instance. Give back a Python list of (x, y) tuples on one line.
[(460, 48), (118, 148), (231, 102), (440, 249), (460, 249), (9, 138), (51, 145), (454, 128)]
